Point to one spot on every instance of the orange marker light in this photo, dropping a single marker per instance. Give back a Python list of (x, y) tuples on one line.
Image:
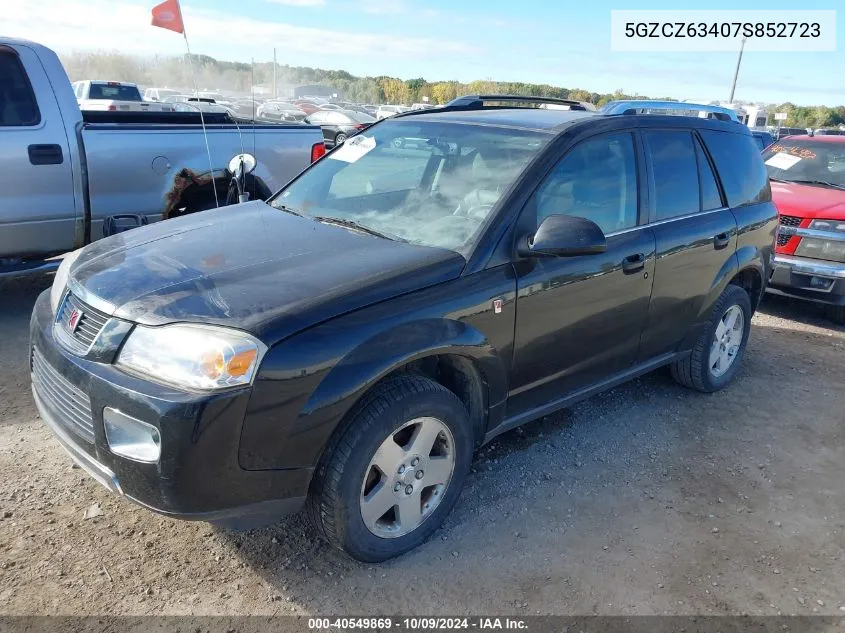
[(241, 362), (213, 364)]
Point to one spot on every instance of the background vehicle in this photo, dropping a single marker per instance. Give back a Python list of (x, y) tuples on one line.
[(308, 107), (762, 138), (112, 96), (73, 170), (367, 339), (385, 111), (279, 110), (338, 125), (161, 94), (808, 187)]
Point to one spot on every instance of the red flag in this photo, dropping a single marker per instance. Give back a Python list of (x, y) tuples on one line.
[(168, 15)]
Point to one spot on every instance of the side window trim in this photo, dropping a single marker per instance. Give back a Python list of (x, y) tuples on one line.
[(722, 195)]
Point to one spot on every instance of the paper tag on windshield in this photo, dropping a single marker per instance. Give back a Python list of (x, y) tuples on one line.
[(354, 148), (782, 160)]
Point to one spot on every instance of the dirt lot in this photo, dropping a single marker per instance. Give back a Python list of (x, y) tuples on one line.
[(649, 499)]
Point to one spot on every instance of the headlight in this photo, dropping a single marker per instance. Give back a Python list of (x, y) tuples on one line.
[(821, 249), (837, 226), (60, 280), (192, 356)]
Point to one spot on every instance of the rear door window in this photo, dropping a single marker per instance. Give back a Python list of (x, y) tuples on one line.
[(18, 107), (740, 167), (675, 173)]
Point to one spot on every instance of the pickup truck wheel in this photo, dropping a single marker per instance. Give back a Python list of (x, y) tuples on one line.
[(718, 352), (835, 314), (396, 470)]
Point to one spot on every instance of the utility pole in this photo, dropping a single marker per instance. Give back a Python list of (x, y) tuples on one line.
[(736, 72), (275, 94)]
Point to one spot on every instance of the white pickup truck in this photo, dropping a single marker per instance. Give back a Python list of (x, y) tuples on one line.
[(113, 96), (72, 176)]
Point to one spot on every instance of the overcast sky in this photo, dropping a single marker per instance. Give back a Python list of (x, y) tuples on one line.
[(558, 42)]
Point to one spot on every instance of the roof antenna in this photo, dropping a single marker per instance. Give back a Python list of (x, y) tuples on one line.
[(202, 121)]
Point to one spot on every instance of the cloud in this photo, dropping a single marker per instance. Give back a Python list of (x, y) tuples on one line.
[(125, 26), (299, 3)]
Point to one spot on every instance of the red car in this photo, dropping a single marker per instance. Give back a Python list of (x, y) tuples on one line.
[(808, 187)]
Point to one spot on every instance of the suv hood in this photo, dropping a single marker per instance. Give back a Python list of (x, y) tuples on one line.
[(251, 267), (809, 201)]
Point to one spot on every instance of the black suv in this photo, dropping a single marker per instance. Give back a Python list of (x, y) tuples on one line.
[(439, 279)]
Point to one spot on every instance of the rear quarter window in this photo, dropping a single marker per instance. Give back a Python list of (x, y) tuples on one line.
[(18, 107), (740, 166)]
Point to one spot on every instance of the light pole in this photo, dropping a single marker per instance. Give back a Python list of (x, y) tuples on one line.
[(736, 72)]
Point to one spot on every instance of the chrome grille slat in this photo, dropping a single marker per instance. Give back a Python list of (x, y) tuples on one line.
[(72, 406), (87, 329)]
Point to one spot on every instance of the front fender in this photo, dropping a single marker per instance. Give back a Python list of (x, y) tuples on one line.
[(308, 383)]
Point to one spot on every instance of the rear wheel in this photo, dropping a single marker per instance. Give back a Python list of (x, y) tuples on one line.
[(340, 138), (395, 472), (835, 314), (718, 352)]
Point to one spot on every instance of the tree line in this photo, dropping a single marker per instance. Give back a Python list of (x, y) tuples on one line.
[(207, 73)]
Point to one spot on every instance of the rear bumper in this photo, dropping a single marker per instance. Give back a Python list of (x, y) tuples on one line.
[(198, 476), (809, 279)]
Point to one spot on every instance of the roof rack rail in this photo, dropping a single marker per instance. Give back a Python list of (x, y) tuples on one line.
[(478, 102), (677, 108), (493, 102)]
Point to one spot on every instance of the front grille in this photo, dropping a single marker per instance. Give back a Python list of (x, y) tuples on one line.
[(71, 406), (787, 220), (88, 326)]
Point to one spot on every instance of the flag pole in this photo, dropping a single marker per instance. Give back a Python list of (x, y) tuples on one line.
[(202, 116)]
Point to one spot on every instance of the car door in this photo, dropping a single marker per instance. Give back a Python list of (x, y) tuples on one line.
[(695, 233), (38, 215), (579, 319)]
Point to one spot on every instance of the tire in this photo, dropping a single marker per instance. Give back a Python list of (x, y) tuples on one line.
[(347, 470), (696, 371), (340, 138), (835, 314)]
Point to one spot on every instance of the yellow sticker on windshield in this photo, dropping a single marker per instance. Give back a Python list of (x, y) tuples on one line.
[(353, 148)]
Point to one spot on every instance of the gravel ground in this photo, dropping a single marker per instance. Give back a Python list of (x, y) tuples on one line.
[(649, 499)]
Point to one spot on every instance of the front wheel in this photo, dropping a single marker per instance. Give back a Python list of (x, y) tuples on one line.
[(340, 138), (718, 352), (395, 472)]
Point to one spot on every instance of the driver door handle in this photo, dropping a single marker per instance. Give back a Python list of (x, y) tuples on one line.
[(722, 240), (633, 263)]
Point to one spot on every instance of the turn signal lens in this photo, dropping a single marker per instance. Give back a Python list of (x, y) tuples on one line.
[(241, 362)]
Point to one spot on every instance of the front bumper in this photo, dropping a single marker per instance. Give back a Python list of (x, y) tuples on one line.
[(810, 279), (197, 477)]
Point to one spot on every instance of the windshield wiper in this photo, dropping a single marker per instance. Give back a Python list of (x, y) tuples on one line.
[(290, 210), (821, 182), (352, 224)]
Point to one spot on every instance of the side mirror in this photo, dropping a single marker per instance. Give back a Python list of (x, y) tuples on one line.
[(564, 236), (246, 162)]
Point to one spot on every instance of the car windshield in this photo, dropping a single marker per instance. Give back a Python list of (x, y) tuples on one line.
[(818, 163), (425, 182), (114, 92)]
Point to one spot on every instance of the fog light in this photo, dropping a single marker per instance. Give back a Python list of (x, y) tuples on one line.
[(130, 437), (821, 283)]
